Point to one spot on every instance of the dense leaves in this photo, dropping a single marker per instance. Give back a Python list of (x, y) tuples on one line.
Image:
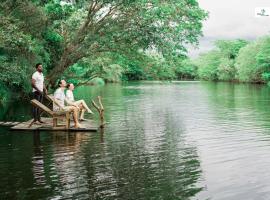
[(237, 60), (84, 39), (219, 64)]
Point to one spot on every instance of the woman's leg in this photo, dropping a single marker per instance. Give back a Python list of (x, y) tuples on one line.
[(82, 102), (82, 114)]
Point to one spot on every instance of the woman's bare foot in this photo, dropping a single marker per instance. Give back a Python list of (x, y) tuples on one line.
[(89, 111)]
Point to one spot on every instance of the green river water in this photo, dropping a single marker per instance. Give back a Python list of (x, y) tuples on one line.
[(180, 140)]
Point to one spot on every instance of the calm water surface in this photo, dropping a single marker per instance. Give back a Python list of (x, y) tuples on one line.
[(183, 140)]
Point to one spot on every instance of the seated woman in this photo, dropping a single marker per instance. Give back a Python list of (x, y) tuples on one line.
[(81, 103), (60, 99)]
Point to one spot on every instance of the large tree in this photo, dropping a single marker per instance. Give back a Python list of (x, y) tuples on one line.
[(69, 32)]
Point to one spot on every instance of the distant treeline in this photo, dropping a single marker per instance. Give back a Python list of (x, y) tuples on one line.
[(236, 60)]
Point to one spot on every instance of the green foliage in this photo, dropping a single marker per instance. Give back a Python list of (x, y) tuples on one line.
[(219, 64), (134, 71), (230, 48), (114, 67), (253, 62), (246, 63), (87, 39), (97, 81), (237, 60), (126, 28), (53, 37), (87, 69), (266, 77), (226, 69), (263, 59), (55, 11), (4, 95), (160, 70), (185, 69), (19, 51), (208, 65)]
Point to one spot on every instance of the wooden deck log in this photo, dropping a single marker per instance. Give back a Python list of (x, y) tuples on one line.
[(15, 123), (89, 125), (7, 124)]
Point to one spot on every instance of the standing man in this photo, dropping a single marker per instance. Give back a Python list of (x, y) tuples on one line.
[(38, 89)]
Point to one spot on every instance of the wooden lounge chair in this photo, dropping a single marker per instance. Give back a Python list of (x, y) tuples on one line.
[(50, 98), (54, 114)]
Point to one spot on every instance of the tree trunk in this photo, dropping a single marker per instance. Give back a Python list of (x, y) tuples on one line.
[(69, 57)]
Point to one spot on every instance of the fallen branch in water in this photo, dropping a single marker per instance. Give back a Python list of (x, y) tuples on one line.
[(100, 110)]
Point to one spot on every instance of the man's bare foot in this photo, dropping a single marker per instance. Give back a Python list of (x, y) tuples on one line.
[(37, 122), (78, 126), (82, 119), (33, 123)]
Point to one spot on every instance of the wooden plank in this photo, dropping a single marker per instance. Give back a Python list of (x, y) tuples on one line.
[(51, 98), (89, 125), (23, 129), (15, 123), (41, 106), (90, 129), (84, 129), (7, 124)]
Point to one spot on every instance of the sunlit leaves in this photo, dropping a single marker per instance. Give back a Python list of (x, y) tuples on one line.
[(105, 38)]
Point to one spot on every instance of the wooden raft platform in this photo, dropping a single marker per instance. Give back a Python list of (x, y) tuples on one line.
[(9, 123), (88, 125)]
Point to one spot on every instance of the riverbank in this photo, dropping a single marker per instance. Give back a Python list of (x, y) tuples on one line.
[(240, 60)]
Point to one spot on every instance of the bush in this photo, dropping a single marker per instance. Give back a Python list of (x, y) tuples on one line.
[(253, 61), (208, 65)]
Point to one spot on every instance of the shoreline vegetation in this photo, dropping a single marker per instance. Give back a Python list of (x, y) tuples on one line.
[(99, 42), (80, 40), (236, 61)]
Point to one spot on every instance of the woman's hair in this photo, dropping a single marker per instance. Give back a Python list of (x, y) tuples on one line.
[(68, 85)]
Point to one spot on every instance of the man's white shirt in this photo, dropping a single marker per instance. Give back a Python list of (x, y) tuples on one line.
[(60, 96), (39, 80)]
